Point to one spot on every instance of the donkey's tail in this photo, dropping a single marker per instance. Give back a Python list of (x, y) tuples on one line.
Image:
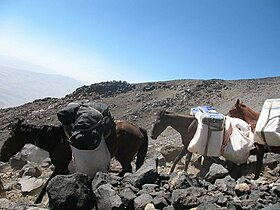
[(142, 150)]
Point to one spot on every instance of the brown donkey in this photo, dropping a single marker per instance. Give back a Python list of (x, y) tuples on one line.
[(250, 116), (185, 124)]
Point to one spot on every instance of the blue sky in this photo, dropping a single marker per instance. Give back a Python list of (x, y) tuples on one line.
[(144, 40)]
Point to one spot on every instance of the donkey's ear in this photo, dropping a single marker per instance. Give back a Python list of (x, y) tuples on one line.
[(15, 124), (237, 102), (161, 112), (19, 121)]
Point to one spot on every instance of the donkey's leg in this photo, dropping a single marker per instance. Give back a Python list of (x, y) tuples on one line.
[(178, 158), (44, 189), (125, 156), (59, 169), (60, 156), (125, 162), (142, 152), (187, 160), (42, 193), (259, 164)]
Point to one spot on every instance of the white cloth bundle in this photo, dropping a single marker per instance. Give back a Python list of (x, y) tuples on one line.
[(238, 140), (268, 124), (90, 161), (208, 138)]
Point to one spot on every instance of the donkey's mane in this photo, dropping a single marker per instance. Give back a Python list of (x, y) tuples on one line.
[(249, 112)]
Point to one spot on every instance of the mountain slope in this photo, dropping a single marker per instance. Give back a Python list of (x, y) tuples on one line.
[(18, 86), (138, 103)]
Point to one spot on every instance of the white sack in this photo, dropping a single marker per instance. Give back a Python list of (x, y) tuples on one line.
[(208, 139), (90, 161), (269, 123), (238, 140)]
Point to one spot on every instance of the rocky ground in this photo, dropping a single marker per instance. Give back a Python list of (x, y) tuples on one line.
[(139, 103)]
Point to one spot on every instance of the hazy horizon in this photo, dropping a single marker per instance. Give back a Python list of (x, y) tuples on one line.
[(18, 86)]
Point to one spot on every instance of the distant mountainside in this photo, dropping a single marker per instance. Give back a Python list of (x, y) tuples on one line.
[(140, 103), (19, 86)]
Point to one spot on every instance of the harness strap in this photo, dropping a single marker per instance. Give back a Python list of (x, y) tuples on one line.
[(208, 138), (108, 134), (93, 126), (262, 131), (265, 142), (226, 136)]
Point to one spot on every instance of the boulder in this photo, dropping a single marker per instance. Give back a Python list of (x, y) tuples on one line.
[(144, 175), (30, 169), (108, 198), (216, 171), (29, 184), (71, 192)]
